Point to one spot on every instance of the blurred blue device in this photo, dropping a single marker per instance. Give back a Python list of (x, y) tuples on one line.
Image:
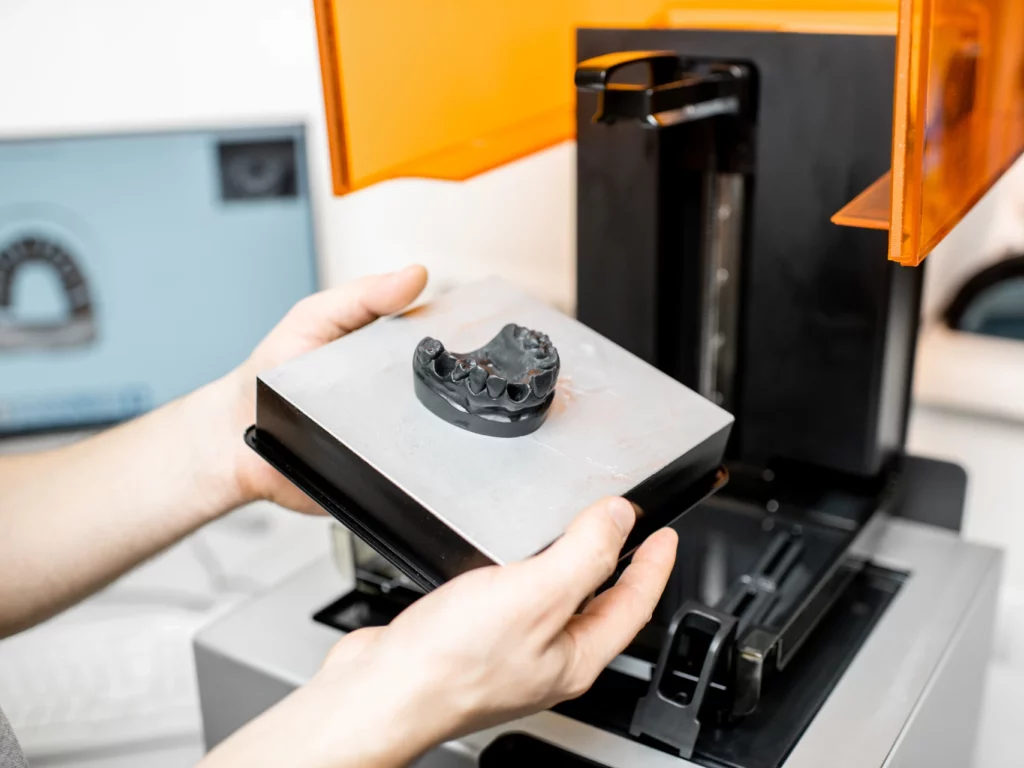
[(134, 268)]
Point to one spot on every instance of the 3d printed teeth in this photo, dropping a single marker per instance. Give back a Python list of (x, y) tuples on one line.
[(503, 389), (462, 369), (534, 340), (477, 380), (427, 350), (541, 383), (445, 364), (540, 380), (496, 386), (546, 357), (518, 392)]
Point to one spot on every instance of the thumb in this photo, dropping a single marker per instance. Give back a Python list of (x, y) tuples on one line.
[(327, 315)]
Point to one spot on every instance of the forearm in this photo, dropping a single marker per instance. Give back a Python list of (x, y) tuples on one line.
[(357, 716), (74, 519)]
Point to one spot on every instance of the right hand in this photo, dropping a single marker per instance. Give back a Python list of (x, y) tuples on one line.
[(498, 643), (490, 646)]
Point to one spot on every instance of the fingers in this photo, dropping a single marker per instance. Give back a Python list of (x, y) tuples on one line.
[(585, 557), (333, 313), (611, 621)]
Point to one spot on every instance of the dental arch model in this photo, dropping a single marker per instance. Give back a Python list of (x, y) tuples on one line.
[(502, 389)]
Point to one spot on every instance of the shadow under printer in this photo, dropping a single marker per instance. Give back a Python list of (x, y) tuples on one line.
[(823, 603)]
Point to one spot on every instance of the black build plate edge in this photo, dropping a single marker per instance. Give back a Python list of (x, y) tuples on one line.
[(313, 485), (411, 537)]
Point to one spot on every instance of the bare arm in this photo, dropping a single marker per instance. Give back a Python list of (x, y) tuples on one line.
[(74, 519)]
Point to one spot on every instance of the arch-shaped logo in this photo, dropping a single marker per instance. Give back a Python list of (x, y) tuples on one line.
[(77, 327)]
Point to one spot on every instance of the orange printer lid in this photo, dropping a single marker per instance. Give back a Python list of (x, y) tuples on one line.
[(452, 88), (958, 120)]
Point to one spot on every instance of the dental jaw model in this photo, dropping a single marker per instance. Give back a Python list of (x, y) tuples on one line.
[(503, 389)]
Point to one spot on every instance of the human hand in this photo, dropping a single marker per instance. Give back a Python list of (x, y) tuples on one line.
[(492, 645), (313, 322), (498, 643)]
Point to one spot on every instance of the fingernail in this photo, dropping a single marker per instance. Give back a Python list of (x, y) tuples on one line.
[(623, 514)]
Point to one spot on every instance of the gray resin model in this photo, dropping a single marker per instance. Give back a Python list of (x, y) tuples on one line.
[(502, 389)]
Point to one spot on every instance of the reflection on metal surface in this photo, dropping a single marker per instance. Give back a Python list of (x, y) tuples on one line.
[(76, 328), (721, 289), (958, 119)]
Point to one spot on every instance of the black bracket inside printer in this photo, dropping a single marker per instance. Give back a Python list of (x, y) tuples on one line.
[(669, 713), (728, 645)]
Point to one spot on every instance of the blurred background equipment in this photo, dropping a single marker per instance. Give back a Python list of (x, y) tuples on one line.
[(135, 267)]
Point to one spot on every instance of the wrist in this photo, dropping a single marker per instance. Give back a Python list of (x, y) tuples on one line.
[(393, 716), (211, 417)]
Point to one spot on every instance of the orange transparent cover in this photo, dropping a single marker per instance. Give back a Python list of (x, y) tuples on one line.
[(448, 89), (958, 120)]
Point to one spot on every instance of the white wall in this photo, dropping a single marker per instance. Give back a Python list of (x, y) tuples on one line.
[(99, 65)]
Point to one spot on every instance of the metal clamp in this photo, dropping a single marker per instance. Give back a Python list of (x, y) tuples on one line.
[(675, 91), (665, 719)]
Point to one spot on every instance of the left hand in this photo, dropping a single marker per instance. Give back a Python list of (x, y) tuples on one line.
[(313, 322)]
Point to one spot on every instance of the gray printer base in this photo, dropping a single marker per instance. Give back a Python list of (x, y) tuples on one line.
[(911, 696)]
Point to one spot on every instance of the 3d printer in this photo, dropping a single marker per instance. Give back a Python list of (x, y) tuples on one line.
[(823, 610)]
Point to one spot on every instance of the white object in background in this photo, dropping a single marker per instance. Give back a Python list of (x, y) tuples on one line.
[(969, 373), (998, 742), (969, 409), (969, 389), (102, 684), (993, 229)]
